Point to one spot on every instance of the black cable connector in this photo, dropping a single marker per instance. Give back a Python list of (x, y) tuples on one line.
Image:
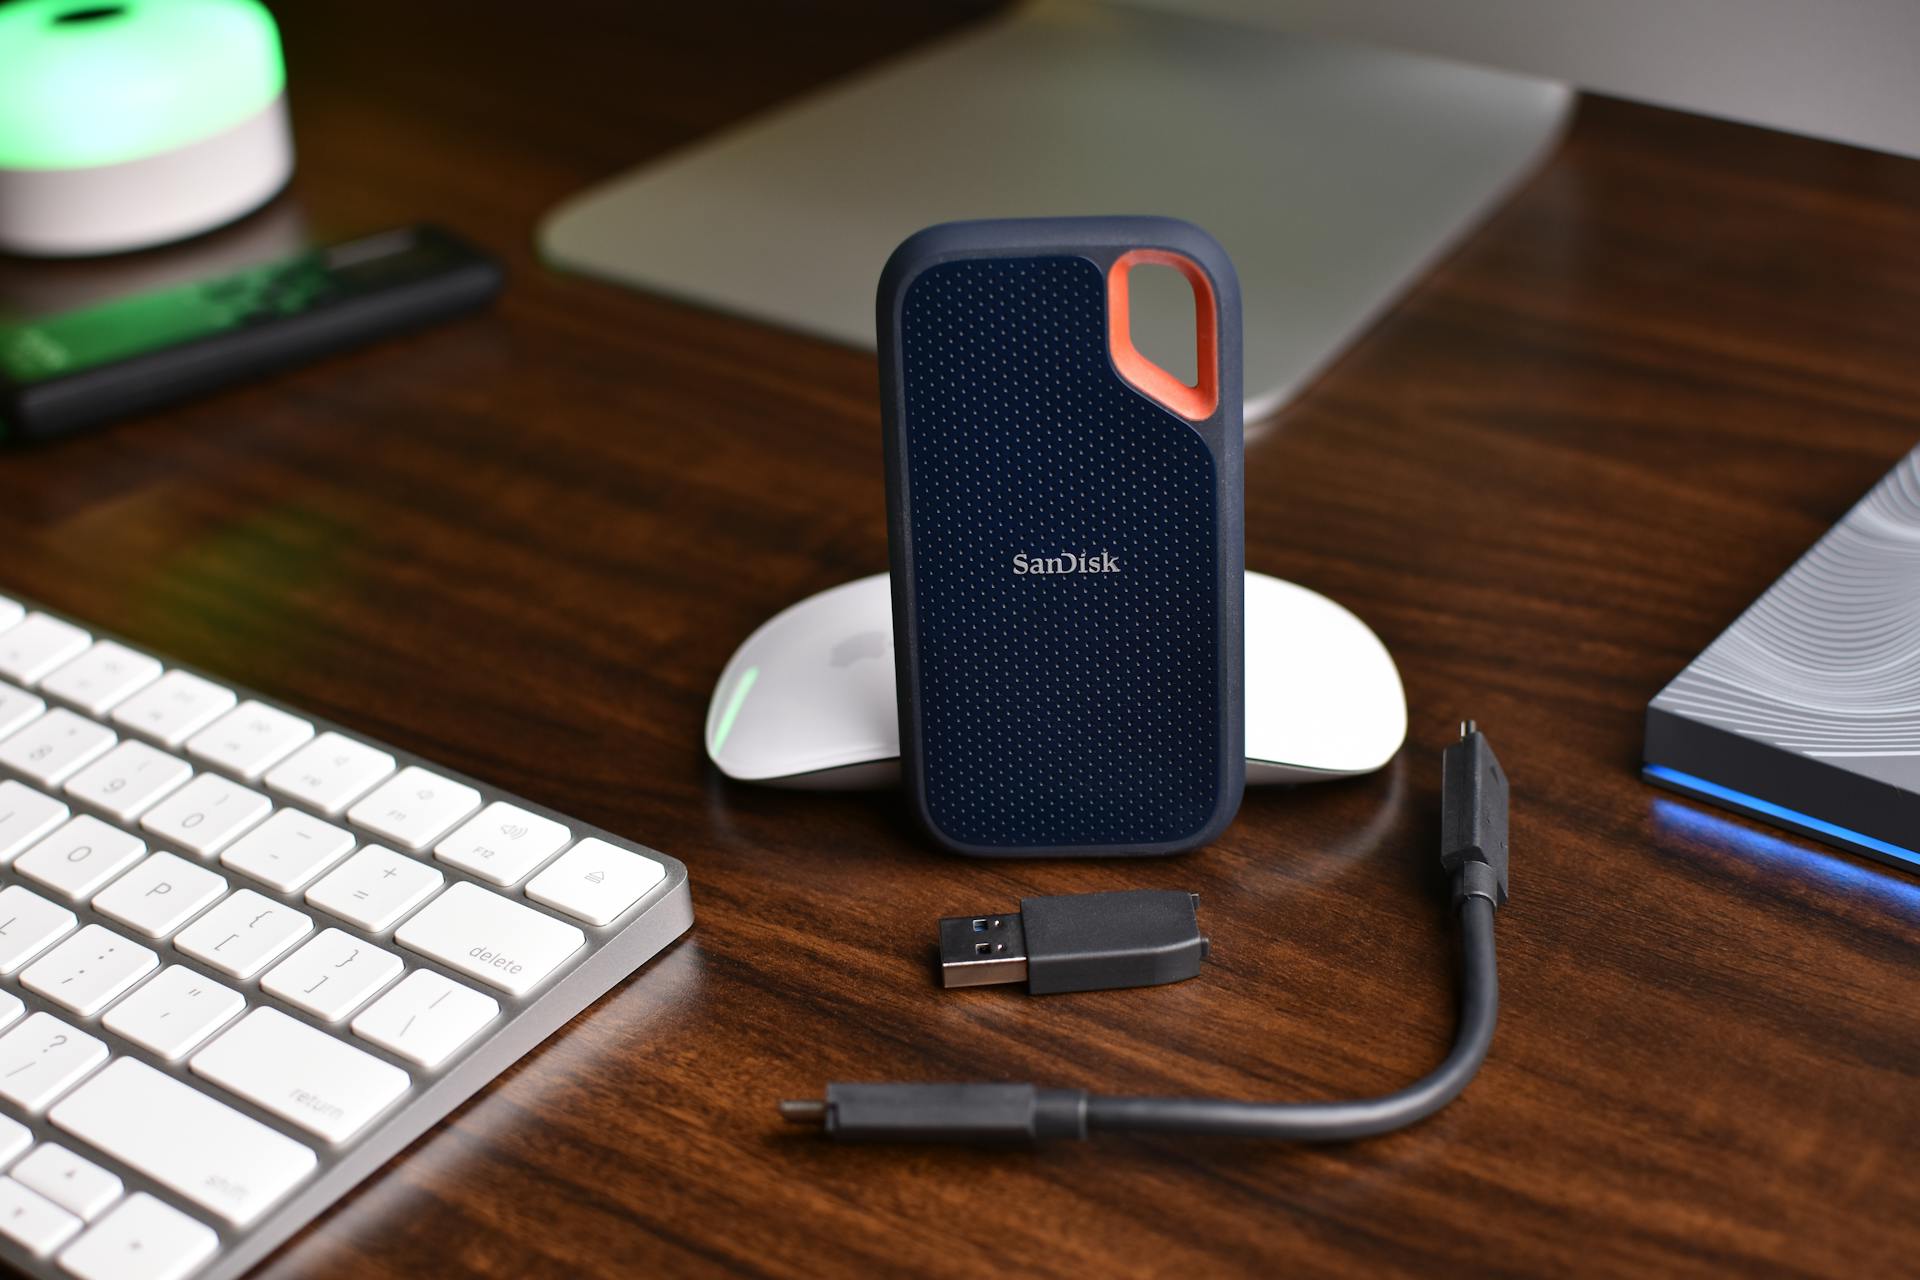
[(1473, 850), (1473, 818), (1079, 942)]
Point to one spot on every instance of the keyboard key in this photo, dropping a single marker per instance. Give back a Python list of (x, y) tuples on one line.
[(176, 1011), (243, 934), (79, 1186), (25, 816), (595, 881), (332, 975), (29, 924), (55, 747), (89, 970), (204, 816), (250, 739), (426, 1017), (17, 707), (375, 887), (330, 773), (37, 645), (288, 849), (129, 778), (491, 938), (301, 1074), (10, 612), (11, 1007), (142, 1239), (174, 708), (32, 1221), (194, 1145), (415, 807), (502, 843), (160, 894), (102, 677), (77, 860), (14, 1138), (43, 1057)]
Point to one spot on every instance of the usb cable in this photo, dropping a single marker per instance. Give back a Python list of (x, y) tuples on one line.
[(1098, 941)]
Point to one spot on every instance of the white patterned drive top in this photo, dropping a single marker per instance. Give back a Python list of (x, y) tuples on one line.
[(1826, 664)]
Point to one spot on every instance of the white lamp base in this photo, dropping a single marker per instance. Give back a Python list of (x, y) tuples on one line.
[(112, 208)]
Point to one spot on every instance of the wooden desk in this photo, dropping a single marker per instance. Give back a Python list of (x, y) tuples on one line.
[(526, 543)]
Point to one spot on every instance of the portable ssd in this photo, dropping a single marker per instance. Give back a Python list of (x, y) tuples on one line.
[(1066, 539)]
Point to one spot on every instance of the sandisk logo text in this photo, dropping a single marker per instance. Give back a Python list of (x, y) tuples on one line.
[(1100, 562)]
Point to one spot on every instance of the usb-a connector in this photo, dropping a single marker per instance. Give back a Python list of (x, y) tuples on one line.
[(1079, 942), (979, 951)]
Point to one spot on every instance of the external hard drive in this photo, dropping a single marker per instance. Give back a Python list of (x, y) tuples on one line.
[(1806, 711), (1066, 539)]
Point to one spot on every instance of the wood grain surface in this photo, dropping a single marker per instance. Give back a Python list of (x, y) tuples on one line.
[(525, 543)]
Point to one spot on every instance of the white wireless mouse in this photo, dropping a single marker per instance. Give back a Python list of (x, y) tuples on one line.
[(808, 699)]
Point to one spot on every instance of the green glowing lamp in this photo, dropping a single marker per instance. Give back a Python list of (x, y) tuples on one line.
[(127, 125)]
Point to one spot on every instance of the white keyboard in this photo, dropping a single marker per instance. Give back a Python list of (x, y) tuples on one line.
[(246, 956)]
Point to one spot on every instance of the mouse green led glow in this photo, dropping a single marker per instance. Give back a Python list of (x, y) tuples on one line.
[(131, 124)]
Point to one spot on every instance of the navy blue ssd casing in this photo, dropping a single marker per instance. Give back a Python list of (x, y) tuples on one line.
[(1066, 538)]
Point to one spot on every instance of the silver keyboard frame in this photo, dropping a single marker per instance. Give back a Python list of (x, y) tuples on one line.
[(613, 951)]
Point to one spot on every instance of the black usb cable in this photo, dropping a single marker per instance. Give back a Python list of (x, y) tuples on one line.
[(1133, 939)]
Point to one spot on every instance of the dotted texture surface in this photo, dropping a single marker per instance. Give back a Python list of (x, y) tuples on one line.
[(1070, 708)]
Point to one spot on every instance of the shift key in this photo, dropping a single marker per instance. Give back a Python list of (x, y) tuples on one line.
[(191, 1144), (490, 938)]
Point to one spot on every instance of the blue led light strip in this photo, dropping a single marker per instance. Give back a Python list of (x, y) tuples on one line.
[(1767, 809)]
